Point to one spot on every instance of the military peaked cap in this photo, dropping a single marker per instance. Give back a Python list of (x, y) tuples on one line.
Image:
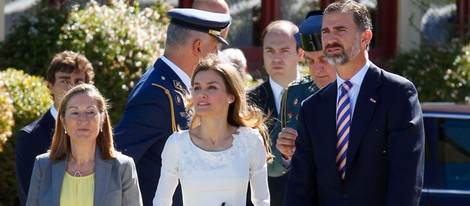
[(199, 20)]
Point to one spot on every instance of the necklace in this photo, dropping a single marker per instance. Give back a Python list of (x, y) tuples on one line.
[(77, 172)]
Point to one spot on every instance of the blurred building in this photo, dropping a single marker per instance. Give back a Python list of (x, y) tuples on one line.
[(397, 23)]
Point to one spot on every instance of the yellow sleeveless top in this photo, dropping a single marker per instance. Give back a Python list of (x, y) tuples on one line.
[(77, 190)]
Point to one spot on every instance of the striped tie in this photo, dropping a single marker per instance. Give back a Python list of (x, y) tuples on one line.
[(343, 121)]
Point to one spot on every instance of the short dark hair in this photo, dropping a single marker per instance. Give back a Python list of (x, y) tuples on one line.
[(68, 62), (360, 12)]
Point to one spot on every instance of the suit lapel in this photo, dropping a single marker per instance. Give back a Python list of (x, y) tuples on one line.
[(102, 176), (59, 169), (49, 123), (270, 103), (366, 104)]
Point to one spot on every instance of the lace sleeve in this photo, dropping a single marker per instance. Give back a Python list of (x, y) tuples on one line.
[(169, 172)]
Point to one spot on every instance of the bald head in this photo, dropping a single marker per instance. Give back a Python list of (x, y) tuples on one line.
[(281, 26), (218, 6)]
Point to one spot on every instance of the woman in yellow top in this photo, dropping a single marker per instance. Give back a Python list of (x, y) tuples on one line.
[(82, 167)]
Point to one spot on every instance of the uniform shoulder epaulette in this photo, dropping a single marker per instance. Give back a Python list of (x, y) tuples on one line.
[(303, 80)]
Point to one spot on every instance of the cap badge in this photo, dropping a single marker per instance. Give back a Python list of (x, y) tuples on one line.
[(214, 32)]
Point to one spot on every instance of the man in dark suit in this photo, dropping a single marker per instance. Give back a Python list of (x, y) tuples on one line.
[(361, 138), (281, 55), (155, 107), (66, 68)]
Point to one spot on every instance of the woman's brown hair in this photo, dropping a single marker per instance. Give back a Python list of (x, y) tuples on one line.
[(61, 147), (240, 113)]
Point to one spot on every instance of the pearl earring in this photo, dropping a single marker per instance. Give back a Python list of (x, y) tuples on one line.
[(65, 131)]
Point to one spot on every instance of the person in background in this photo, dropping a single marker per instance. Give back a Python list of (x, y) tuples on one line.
[(82, 167), (155, 107), (281, 55), (321, 74), (226, 146), (217, 6), (66, 69), (360, 139), (238, 59)]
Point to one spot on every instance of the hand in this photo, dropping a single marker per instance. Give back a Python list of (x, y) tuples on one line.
[(286, 142)]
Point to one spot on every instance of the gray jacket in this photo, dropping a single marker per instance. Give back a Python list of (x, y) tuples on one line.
[(116, 181)]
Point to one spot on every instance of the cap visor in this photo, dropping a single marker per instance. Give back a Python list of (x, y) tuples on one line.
[(220, 39)]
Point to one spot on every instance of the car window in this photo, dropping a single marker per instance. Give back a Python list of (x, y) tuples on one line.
[(447, 153)]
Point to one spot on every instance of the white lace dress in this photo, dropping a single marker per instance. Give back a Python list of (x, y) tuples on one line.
[(213, 178)]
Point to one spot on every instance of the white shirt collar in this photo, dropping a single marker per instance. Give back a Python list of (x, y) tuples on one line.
[(277, 93), (181, 74), (54, 112), (357, 78)]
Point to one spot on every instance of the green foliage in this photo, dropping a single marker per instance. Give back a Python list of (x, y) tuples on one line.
[(458, 78), (6, 109), (31, 99), (31, 43), (433, 71), (120, 41)]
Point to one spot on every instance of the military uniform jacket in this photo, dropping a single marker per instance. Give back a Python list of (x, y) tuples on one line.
[(155, 109), (289, 116)]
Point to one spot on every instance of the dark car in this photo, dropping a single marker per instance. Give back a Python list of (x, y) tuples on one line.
[(447, 165)]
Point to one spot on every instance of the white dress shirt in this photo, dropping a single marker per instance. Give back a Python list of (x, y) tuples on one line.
[(181, 74), (356, 81), (54, 112), (277, 93)]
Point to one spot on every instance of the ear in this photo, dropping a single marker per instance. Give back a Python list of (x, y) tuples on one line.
[(197, 44), (366, 37), (231, 99), (62, 121), (50, 86), (102, 119), (300, 53)]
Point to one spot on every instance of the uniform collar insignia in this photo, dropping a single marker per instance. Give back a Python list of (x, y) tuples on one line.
[(178, 86)]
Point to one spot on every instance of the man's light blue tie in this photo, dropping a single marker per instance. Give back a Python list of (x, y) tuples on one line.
[(343, 122)]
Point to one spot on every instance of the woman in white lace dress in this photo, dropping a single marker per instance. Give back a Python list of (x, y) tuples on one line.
[(226, 147)]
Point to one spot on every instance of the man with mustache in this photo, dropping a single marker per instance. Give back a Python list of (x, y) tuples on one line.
[(361, 139)]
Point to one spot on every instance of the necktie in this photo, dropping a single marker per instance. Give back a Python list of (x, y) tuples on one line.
[(343, 122)]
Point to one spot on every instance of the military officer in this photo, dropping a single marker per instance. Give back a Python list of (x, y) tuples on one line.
[(321, 74), (155, 107)]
